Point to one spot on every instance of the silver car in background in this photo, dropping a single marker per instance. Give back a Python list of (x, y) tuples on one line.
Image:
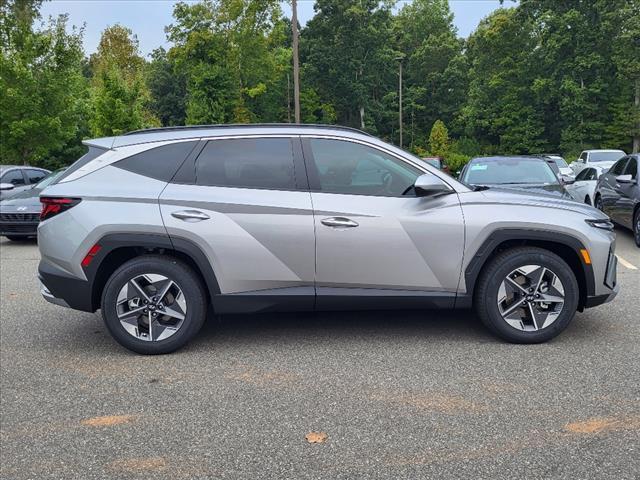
[(157, 227)]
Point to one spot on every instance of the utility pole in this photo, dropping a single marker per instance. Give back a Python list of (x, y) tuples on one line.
[(296, 61), (400, 102), (400, 58)]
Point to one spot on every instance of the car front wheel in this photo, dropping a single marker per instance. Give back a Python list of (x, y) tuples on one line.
[(636, 227), (527, 295), (153, 304)]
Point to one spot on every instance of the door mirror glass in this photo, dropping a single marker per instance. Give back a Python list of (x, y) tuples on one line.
[(6, 186), (624, 179), (428, 185)]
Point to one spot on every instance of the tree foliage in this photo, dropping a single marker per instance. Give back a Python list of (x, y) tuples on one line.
[(535, 75)]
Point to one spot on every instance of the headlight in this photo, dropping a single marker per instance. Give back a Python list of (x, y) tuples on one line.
[(602, 223)]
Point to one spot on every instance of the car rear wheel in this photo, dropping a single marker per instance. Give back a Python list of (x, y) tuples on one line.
[(153, 304), (598, 203), (527, 295)]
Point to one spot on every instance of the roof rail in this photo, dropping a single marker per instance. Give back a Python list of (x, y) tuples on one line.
[(242, 125)]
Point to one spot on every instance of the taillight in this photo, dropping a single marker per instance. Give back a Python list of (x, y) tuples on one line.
[(51, 206)]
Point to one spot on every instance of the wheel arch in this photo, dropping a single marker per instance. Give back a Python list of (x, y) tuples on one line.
[(565, 246), (116, 249)]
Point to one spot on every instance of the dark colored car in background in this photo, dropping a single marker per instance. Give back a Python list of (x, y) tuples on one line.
[(438, 163), (530, 173), (20, 214), (618, 194), (16, 178)]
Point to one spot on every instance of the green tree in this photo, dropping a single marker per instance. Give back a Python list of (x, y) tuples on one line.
[(168, 88), (439, 139), (347, 59), (42, 90), (119, 97)]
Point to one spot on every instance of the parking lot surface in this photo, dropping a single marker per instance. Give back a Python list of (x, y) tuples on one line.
[(398, 394)]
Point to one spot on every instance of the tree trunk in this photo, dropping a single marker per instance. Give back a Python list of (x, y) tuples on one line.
[(636, 137), (361, 118)]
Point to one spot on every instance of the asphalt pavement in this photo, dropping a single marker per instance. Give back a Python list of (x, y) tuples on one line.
[(397, 395)]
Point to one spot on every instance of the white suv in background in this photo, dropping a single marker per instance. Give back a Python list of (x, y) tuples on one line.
[(596, 158)]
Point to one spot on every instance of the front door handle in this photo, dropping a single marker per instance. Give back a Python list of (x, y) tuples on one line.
[(190, 215), (340, 222)]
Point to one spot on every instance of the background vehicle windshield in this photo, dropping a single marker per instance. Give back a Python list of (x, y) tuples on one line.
[(605, 156), (433, 161), (49, 178), (509, 171), (560, 162)]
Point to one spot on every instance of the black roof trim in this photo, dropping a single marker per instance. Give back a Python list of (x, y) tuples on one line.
[(247, 125)]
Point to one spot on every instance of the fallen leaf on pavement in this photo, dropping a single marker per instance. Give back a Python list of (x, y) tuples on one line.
[(316, 437)]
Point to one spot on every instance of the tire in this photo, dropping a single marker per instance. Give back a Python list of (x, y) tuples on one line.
[(490, 286), (636, 227), (185, 297), (598, 203)]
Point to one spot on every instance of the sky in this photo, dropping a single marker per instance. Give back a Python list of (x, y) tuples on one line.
[(147, 18)]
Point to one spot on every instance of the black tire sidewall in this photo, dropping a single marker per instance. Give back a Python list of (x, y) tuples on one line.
[(171, 268), (498, 270), (634, 228)]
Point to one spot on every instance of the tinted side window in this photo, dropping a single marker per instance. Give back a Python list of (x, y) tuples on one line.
[(618, 167), (583, 156), (584, 174), (350, 168), (14, 176), (632, 168), (160, 163), (247, 162), (35, 175)]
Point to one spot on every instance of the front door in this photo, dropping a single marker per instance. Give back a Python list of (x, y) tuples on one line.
[(374, 237)]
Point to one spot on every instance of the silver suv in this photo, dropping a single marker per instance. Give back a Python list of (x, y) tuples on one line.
[(158, 227)]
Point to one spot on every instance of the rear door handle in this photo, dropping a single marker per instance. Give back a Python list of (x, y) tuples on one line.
[(341, 222), (190, 215)]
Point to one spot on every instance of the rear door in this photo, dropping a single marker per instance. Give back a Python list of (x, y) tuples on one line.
[(610, 189), (245, 202), (374, 237)]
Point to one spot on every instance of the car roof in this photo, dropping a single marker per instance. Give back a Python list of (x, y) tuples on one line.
[(497, 158), (200, 131), (604, 150)]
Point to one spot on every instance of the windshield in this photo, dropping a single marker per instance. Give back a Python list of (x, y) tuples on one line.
[(605, 156), (560, 162), (49, 178), (509, 171)]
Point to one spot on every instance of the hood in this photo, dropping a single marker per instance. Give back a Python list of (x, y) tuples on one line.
[(27, 198), (502, 196), (556, 191)]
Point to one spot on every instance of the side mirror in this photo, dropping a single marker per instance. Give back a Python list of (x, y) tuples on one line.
[(567, 180), (624, 179), (429, 185), (6, 186)]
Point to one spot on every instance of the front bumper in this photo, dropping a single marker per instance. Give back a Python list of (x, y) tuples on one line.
[(610, 282), (18, 229)]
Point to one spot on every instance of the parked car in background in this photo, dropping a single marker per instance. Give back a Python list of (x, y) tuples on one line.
[(618, 194), (530, 173), (437, 162), (158, 226), (14, 179), (600, 158), (583, 188), (20, 214), (561, 163)]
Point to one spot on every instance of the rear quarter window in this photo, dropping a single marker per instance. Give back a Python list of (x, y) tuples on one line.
[(160, 163), (92, 154)]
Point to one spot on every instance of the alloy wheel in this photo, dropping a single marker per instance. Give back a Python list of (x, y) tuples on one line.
[(151, 307), (531, 298)]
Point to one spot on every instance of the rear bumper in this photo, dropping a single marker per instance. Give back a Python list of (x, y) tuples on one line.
[(59, 288)]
